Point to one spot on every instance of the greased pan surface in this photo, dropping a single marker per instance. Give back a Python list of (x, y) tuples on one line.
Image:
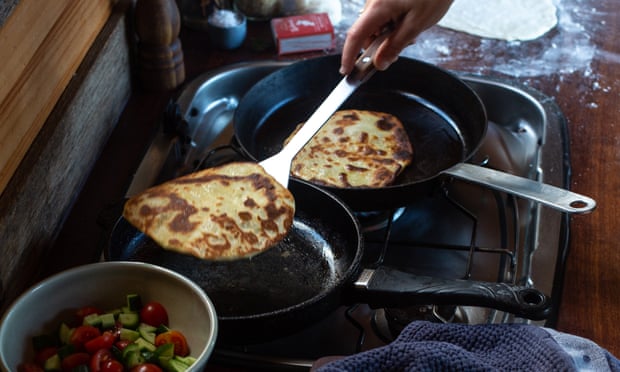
[(444, 118), (278, 291), (310, 274)]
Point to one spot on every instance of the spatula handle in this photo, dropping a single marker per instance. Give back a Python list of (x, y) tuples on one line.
[(364, 68)]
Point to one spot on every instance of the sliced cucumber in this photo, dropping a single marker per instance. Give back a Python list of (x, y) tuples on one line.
[(129, 320), (165, 350), (52, 363), (107, 320), (130, 349), (127, 310), (92, 319), (149, 356), (134, 302), (144, 344), (129, 334), (132, 356), (147, 332), (133, 359), (188, 360), (64, 333), (164, 353), (175, 365)]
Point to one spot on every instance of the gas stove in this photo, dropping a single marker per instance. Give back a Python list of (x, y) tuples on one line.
[(461, 231)]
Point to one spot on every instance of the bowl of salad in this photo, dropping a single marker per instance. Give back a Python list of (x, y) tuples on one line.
[(109, 316)]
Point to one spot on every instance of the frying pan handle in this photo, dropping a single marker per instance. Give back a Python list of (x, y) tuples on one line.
[(555, 197), (387, 287)]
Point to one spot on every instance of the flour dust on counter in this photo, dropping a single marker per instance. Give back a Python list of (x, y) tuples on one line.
[(566, 53), (567, 47), (502, 19)]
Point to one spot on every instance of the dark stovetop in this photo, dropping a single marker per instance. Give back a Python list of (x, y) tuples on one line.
[(462, 231)]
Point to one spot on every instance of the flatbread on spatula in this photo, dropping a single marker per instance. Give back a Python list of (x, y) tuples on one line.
[(232, 211), (355, 148)]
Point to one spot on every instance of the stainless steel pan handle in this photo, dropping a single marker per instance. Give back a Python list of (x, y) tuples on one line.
[(554, 197)]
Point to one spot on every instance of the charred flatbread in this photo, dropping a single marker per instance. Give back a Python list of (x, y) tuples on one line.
[(355, 148), (232, 211)]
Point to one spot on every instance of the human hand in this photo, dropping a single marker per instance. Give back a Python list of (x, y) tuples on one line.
[(408, 17)]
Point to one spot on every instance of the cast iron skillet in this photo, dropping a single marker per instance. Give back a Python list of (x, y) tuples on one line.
[(316, 269), (444, 119)]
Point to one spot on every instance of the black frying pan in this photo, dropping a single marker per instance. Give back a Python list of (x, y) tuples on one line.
[(444, 119), (316, 269)]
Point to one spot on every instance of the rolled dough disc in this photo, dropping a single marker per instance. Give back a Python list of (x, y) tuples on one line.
[(502, 19)]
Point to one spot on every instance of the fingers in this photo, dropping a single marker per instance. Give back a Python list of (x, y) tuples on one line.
[(411, 17), (352, 45), (371, 22), (403, 35), (390, 49)]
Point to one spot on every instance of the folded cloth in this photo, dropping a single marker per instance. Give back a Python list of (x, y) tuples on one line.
[(586, 354), (426, 346)]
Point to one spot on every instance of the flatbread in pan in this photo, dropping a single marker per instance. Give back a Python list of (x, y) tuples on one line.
[(355, 148), (232, 211)]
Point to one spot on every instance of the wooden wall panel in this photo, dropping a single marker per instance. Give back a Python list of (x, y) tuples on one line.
[(42, 190), (42, 43)]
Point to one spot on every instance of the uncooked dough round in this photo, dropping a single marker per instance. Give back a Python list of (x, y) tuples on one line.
[(501, 19)]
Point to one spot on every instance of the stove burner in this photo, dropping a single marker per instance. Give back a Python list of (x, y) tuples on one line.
[(394, 320), (377, 220), (431, 313)]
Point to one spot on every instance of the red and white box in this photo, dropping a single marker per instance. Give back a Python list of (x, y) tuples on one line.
[(303, 33)]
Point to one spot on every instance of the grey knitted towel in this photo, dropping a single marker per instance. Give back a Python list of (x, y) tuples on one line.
[(426, 346)]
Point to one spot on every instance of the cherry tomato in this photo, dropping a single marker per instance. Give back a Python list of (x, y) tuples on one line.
[(122, 344), (146, 367), (154, 313), (105, 341), (44, 354), (29, 367), (82, 334), (176, 338), (99, 360), (112, 366), (73, 360)]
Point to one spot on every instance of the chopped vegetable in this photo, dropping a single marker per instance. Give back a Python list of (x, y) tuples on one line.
[(147, 332), (132, 338), (177, 339), (134, 302), (154, 314)]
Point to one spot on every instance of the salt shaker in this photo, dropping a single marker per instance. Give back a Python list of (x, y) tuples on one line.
[(227, 29)]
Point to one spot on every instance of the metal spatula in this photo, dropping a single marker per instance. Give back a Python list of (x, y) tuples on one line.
[(279, 165)]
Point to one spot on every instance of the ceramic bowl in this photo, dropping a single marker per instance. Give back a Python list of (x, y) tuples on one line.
[(105, 285), (227, 29)]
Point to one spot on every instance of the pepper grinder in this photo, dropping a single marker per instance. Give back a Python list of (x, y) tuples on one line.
[(160, 55)]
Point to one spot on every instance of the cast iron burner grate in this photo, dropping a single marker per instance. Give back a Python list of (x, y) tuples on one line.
[(388, 322), (507, 263)]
